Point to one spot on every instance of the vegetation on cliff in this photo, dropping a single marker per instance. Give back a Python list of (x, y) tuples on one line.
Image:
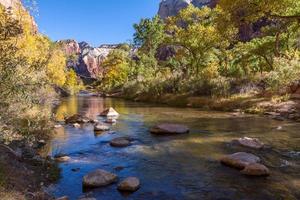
[(200, 52)]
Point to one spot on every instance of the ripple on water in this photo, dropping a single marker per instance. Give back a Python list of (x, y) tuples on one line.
[(174, 167)]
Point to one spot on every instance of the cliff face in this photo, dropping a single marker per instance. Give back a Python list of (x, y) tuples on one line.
[(85, 59), (11, 3), (16, 5), (169, 8)]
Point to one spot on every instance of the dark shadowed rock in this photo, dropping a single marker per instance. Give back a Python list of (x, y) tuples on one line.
[(77, 119), (163, 129), (256, 169), (120, 142), (99, 178), (130, 184), (239, 160)]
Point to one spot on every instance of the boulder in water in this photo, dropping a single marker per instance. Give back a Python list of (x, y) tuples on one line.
[(99, 178), (101, 127), (77, 119), (111, 121), (251, 143), (76, 125), (130, 184), (163, 129), (62, 158), (63, 198), (256, 169), (120, 142), (239, 160), (110, 112)]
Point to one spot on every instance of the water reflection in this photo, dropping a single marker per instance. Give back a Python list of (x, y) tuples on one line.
[(177, 167)]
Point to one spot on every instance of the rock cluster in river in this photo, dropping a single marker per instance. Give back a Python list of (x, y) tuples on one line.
[(247, 163)]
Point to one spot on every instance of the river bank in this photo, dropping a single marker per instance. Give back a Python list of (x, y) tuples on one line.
[(284, 107)]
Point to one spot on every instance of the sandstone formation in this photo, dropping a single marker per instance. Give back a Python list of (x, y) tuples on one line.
[(85, 59), (15, 5), (169, 8)]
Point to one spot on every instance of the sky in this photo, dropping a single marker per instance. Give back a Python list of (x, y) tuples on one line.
[(94, 21)]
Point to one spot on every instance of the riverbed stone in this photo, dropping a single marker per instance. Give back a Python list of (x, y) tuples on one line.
[(239, 160), (76, 125), (110, 112), (57, 126), (99, 178), (62, 159), (253, 143), (130, 184), (163, 129), (256, 169), (77, 119), (111, 121), (101, 127), (120, 142), (63, 198)]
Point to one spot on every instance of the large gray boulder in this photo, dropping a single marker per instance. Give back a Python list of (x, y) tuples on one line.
[(99, 178)]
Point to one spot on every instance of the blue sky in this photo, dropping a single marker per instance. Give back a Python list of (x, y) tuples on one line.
[(94, 21)]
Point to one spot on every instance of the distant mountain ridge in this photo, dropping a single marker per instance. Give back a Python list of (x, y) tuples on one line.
[(85, 59)]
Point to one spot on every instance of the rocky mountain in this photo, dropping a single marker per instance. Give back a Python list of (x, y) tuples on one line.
[(15, 6), (169, 8), (85, 59)]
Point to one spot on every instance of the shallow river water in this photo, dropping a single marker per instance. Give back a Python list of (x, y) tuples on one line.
[(175, 167)]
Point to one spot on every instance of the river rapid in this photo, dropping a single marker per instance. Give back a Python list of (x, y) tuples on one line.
[(174, 167)]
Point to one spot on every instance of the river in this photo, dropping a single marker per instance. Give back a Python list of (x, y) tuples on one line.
[(175, 167)]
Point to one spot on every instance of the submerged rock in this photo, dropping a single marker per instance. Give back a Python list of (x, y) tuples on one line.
[(120, 142), (256, 169), (169, 129), (101, 127), (251, 143), (130, 184), (239, 160), (99, 178), (110, 112)]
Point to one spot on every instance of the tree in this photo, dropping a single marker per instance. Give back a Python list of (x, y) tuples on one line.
[(116, 69), (195, 34)]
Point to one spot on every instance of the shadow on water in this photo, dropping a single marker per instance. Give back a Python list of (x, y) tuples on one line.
[(175, 167)]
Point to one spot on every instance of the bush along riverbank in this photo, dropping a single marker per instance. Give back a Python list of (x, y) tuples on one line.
[(206, 57)]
